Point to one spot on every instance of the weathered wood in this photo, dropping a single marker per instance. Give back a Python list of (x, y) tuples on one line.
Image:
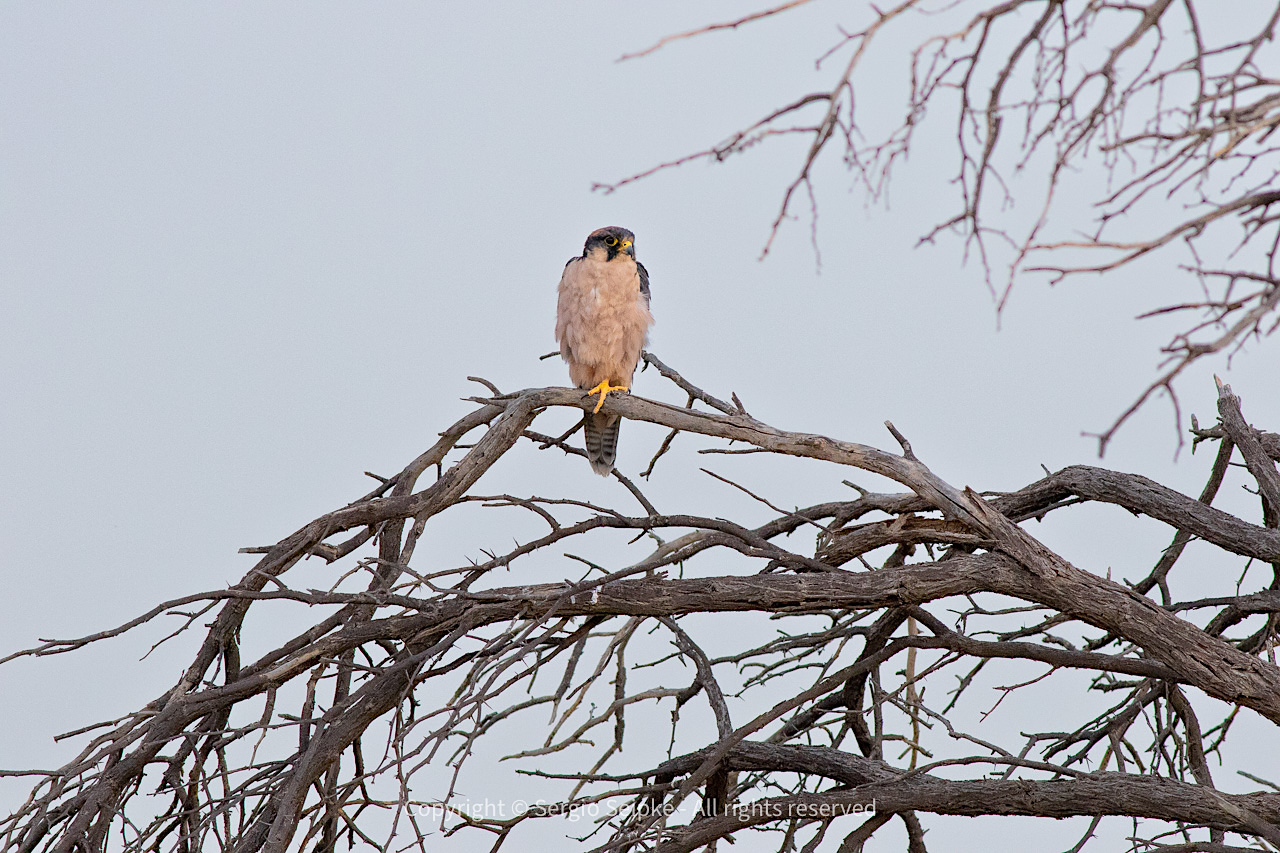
[(407, 635)]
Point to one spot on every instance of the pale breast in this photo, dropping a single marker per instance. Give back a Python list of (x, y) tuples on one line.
[(602, 318)]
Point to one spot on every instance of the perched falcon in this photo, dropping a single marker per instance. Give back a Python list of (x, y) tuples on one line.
[(602, 321)]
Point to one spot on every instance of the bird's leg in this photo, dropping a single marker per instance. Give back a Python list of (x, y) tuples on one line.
[(603, 390)]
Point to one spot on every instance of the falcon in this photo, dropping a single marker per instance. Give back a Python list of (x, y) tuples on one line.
[(602, 323)]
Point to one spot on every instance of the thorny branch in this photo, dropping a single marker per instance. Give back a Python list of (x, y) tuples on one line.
[(415, 662), (1176, 102)]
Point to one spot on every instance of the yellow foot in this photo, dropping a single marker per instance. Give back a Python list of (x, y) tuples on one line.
[(603, 390)]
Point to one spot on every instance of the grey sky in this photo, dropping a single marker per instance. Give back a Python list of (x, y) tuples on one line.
[(249, 251)]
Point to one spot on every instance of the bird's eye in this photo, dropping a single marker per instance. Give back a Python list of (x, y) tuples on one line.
[(611, 240)]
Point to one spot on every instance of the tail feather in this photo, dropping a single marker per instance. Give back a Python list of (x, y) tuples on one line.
[(601, 434)]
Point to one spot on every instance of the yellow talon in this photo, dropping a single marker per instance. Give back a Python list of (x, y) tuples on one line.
[(603, 390)]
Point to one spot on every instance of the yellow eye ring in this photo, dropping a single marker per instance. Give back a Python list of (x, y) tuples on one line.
[(611, 241)]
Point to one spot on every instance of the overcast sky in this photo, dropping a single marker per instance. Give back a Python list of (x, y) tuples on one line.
[(250, 251)]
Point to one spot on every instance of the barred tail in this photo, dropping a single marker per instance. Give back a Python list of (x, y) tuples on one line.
[(601, 434)]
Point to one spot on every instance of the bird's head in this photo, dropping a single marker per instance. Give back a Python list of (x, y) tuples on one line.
[(609, 243)]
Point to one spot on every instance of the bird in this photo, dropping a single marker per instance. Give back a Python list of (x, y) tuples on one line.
[(602, 324)]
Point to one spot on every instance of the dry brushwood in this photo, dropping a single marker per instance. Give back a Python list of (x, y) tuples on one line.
[(849, 714), (1174, 99)]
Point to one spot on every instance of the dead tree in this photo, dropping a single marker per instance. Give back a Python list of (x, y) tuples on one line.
[(841, 712), (884, 624), (1175, 100)]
